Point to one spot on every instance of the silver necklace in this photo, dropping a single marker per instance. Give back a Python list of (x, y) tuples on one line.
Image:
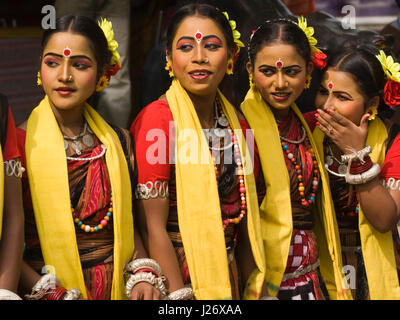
[(219, 132), (303, 136), (329, 159), (76, 145)]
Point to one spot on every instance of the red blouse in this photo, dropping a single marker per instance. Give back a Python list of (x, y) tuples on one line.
[(391, 165), (10, 150)]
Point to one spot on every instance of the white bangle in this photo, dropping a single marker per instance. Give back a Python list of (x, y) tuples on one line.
[(348, 158), (13, 167), (47, 281), (181, 294), (8, 295), (365, 176), (138, 264), (72, 294), (136, 278)]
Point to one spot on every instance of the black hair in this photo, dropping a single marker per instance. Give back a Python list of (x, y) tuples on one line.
[(203, 10), (90, 30), (281, 30)]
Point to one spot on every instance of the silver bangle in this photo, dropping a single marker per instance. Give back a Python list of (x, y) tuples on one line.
[(8, 295), (348, 158), (365, 176), (47, 281), (138, 264), (181, 294), (150, 190), (13, 167), (72, 294), (136, 278)]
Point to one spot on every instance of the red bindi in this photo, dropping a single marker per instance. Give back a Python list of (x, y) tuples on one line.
[(67, 52)]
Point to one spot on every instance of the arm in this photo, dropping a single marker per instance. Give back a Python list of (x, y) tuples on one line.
[(12, 239), (152, 215), (377, 202)]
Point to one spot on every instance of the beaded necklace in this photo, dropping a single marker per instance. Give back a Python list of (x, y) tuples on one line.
[(299, 170), (223, 121), (103, 222)]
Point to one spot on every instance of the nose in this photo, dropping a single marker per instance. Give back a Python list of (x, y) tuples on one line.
[(65, 72), (199, 55), (280, 81), (329, 104)]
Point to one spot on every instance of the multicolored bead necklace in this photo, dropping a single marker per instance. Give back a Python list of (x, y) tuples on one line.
[(103, 222), (240, 172), (297, 165)]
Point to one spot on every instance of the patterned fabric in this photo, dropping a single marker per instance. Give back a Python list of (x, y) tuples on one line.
[(90, 196), (303, 250)]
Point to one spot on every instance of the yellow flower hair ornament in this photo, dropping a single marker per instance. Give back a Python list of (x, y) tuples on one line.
[(391, 94), (238, 44), (317, 56), (114, 65)]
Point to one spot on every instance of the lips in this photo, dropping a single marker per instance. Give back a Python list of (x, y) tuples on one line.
[(65, 91), (281, 96), (200, 74)]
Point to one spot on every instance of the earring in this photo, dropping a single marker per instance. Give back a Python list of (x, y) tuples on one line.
[(102, 83), (373, 111), (229, 69), (39, 79), (308, 81), (168, 67)]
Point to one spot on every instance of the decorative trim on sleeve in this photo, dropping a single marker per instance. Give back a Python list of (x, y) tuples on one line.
[(150, 190), (13, 167), (391, 183)]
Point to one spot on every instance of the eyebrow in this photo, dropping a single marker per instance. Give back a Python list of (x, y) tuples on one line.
[(340, 92), (71, 57), (204, 38), (268, 66)]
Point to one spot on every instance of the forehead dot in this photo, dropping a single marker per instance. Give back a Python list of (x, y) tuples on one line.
[(67, 52)]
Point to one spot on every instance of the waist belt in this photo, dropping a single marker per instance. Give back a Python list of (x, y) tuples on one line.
[(301, 272)]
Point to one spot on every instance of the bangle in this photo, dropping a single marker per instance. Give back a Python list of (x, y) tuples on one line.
[(56, 294), (361, 167), (365, 176), (358, 154), (135, 279), (138, 264), (40, 289), (8, 295), (146, 270), (72, 294), (181, 294)]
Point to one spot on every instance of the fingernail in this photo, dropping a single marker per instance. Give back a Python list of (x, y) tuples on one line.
[(316, 115), (317, 123), (318, 110), (329, 110)]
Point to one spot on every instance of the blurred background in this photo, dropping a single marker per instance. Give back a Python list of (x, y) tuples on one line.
[(146, 21)]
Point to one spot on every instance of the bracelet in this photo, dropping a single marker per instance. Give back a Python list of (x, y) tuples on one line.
[(365, 176), (40, 289), (56, 294), (358, 154), (13, 168), (72, 294), (181, 294), (138, 264), (146, 270), (136, 278), (361, 167), (8, 295)]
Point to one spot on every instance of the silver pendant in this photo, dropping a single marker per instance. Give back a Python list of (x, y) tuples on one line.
[(329, 160), (342, 169), (88, 140), (77, 146), (220, 133), (65, 144), (223, 121)]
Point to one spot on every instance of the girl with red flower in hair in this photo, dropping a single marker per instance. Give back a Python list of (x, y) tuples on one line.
[(353, 142)]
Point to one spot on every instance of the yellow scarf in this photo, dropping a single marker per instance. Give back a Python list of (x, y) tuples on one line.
[(276, 209), (377, 248), (1, 189), (48, 180), (199, 211)]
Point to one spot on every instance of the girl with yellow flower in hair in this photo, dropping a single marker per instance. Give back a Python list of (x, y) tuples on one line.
[(81, 171), (302, 249), (198, 206), (353, 141)]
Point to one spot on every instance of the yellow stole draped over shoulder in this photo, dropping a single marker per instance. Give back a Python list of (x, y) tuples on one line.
[(1, 189), (377, 248), (48, 180), (276, 209), (198, 204)]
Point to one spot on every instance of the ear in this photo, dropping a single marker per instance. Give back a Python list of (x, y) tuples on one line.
[(249, 67), (310, 67), (373, 102)]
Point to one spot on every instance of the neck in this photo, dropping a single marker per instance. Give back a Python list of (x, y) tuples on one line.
[(280, 114), (205, 108), (70, 121)]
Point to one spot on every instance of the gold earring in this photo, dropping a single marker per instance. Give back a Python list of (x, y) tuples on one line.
[(373, 111), (229, 69), (251, 80), (308, 81), (102, 83), (39, 79), (168, 67)]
